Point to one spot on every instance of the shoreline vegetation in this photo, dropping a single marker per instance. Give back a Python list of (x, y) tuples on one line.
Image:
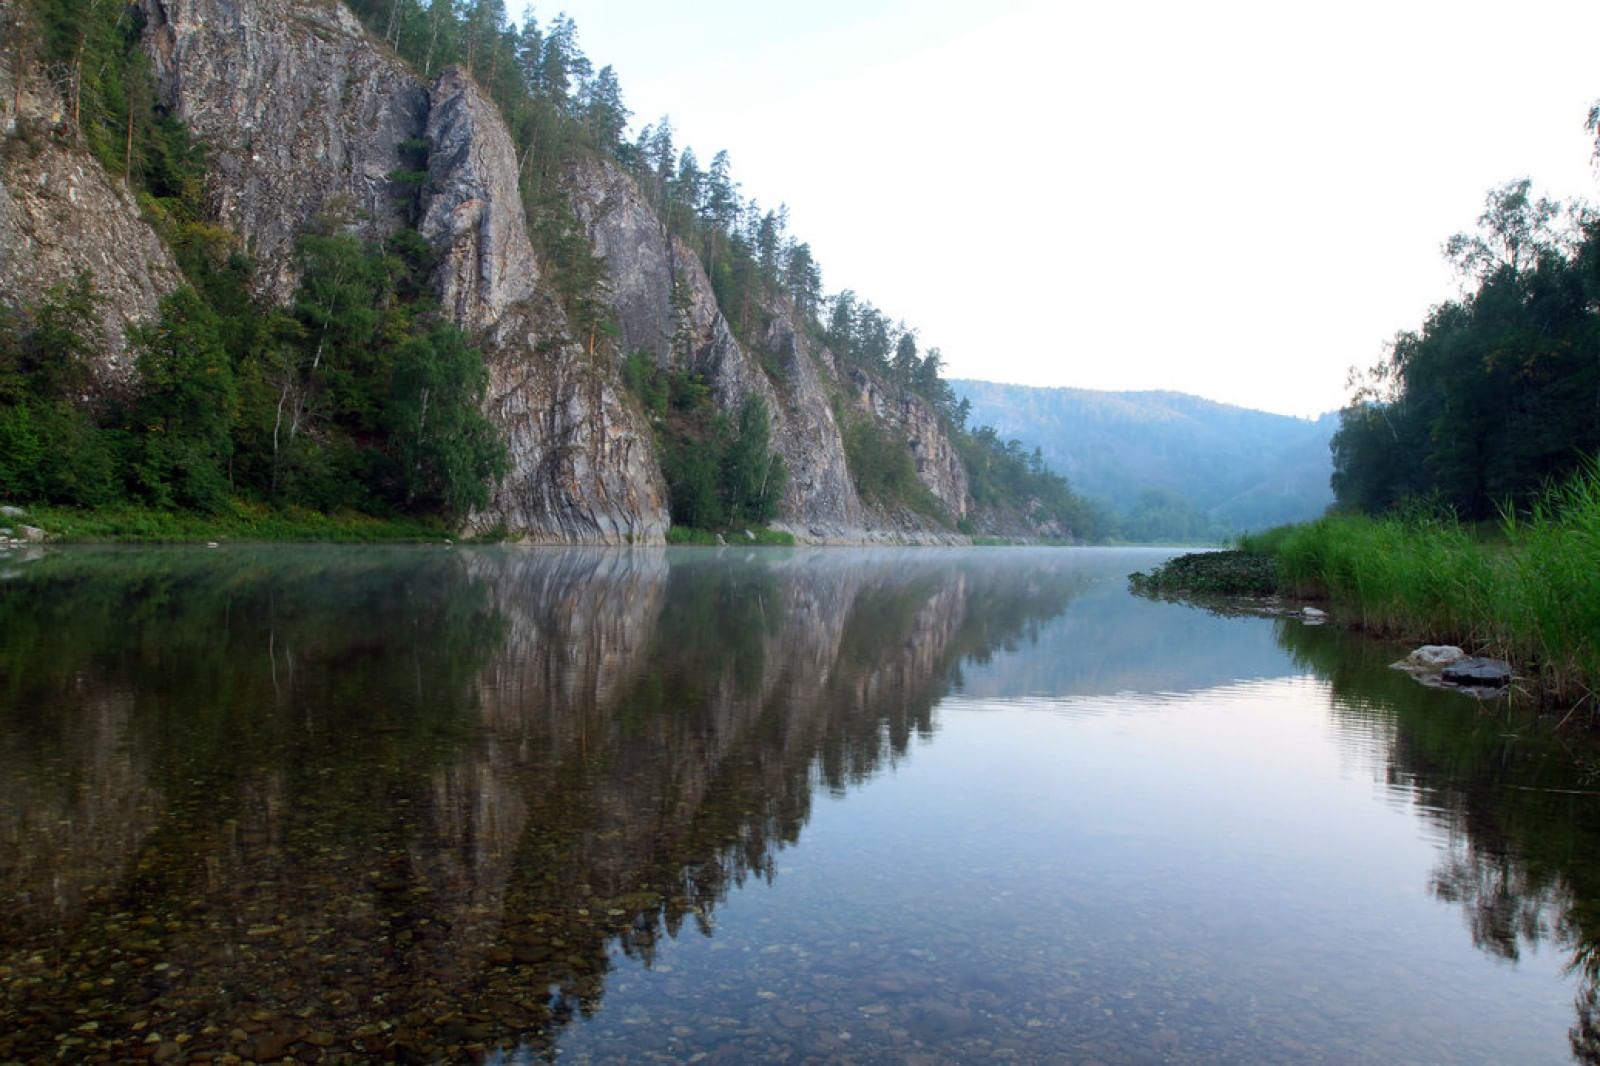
[(239, 521), (245, 521), (1526, 590)]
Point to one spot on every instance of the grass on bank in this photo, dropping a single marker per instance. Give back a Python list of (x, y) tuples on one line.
[(1222, 573), (239, 521), (772, 538), (1528, 593)]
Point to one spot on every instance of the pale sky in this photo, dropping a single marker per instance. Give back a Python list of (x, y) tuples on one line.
[(1238, 200)]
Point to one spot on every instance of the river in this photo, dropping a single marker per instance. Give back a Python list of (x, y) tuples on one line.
[(922, 805)]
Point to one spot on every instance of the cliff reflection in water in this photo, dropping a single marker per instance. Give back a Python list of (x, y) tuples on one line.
[(403, 801), (1514, 804)]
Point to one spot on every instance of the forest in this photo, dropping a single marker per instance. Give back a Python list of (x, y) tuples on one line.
[(360, 395), (1497, 395)]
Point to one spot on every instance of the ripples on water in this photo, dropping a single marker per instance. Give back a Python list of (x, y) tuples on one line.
[(830, 806)]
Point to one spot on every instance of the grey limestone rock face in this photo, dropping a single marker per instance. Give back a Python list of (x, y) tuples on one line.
[(307, 115), (583, 469), (303, 113), (666, 308), (62, 214), (939, 467), (820, 494), (474, 209)]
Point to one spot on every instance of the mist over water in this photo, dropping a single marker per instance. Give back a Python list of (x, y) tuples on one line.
[(848, 804)]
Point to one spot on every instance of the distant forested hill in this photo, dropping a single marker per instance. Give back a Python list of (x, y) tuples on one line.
[(1168, 465)]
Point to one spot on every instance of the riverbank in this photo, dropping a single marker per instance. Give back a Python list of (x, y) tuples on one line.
[(239, 521), (1527, 592), (756, 536)]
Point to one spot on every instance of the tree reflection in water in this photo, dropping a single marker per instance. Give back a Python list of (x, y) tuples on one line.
[(1518, 805), (407, 801)]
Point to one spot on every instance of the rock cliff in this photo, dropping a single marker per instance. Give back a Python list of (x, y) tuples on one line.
[(307, 119), (939, 467), (62, 214), (302, 115), (583, 469), (666, 307), (307, 115), (473, 212)]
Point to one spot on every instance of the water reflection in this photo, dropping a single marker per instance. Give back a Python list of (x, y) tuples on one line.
[(1515, 806), (405, 802), (429, 804)]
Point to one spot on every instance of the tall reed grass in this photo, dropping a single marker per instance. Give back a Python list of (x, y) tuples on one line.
[(1528, 591)]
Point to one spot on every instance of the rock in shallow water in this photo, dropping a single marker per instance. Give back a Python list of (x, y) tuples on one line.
[(1435, 656), (1476, 671)]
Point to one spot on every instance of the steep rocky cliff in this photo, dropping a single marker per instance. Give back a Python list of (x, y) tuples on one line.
[(307, 120), (666, 307), (62, 214), (302, 117), (939, 467), (583, 467), (306, 116)]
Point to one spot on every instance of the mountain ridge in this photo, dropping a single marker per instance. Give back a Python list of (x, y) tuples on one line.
[(1242, 468)]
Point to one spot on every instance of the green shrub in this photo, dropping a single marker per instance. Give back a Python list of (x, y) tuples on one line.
[(1530, 594)]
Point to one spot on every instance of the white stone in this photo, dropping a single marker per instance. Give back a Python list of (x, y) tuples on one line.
[(1435, 656)]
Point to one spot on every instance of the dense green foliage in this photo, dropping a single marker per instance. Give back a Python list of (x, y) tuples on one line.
[(1222, 573), (1158, 515), (237, 520), (721, 473), (50, 448), (1530, 594), (358, 397), (368, 398), (1499, 392)]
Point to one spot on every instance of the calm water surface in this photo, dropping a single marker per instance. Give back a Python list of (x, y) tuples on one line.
[(931, 806)]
